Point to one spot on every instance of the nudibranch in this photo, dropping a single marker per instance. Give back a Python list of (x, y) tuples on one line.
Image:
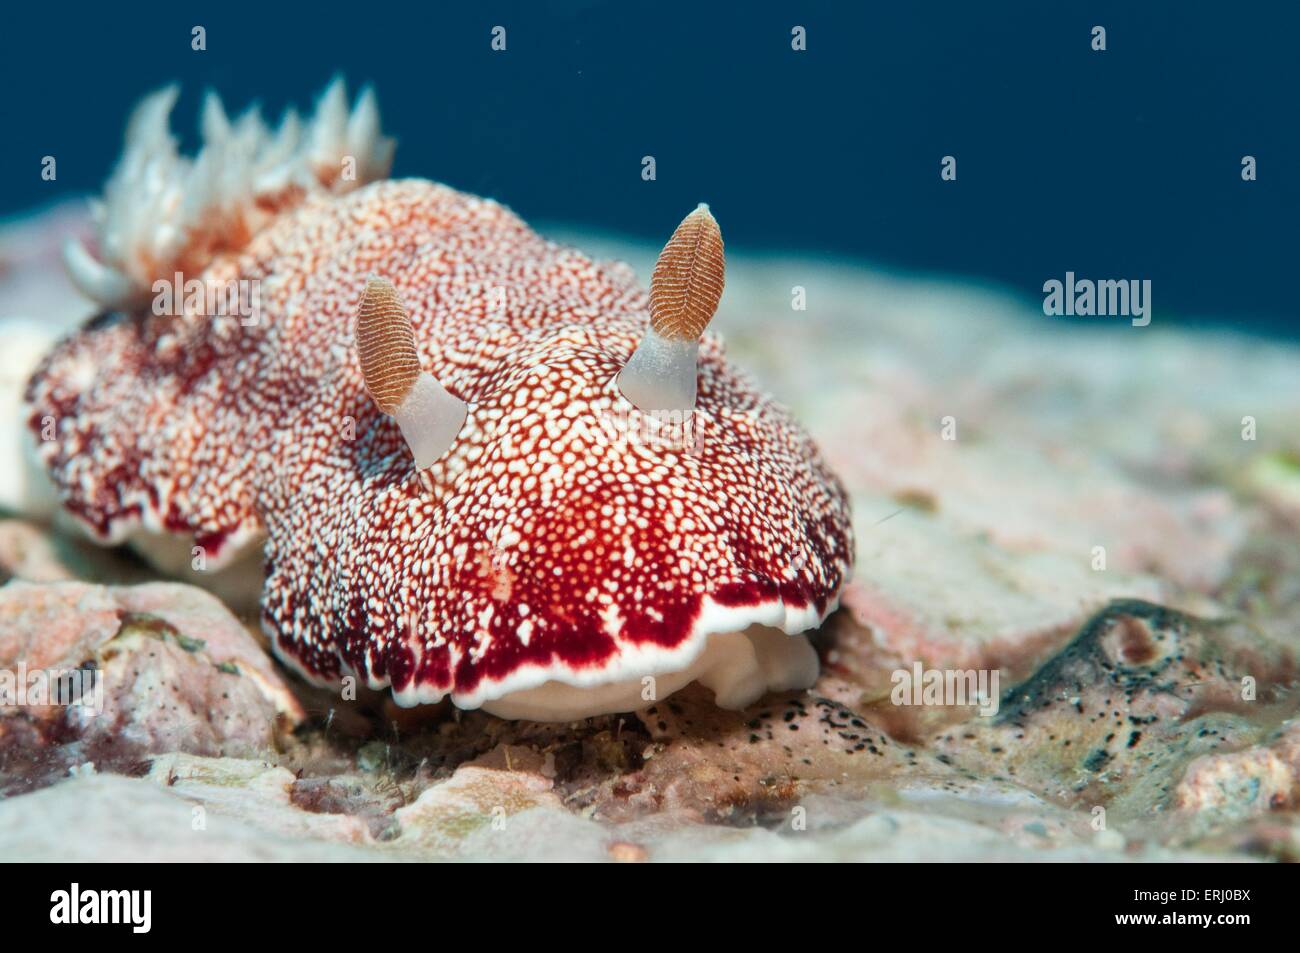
[(481, 465)]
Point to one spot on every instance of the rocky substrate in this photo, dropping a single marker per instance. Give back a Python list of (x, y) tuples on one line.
[(1130, 741), (1097, 533)]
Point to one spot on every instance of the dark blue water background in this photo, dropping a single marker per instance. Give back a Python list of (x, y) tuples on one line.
[(1122, 164)]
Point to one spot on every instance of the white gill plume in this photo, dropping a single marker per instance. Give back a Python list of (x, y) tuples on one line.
[(163, 212)]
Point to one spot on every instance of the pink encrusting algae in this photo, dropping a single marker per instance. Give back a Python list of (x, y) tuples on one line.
[(565, 547)]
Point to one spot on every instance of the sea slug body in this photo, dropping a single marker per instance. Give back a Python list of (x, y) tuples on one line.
[(555, 552)]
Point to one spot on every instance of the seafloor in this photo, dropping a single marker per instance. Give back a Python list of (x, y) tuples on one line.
[(1148, 688)]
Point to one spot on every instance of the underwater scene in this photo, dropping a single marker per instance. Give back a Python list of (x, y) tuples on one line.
[(569, 432)]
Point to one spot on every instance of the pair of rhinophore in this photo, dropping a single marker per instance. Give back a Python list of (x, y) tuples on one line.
[(659, 376)]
